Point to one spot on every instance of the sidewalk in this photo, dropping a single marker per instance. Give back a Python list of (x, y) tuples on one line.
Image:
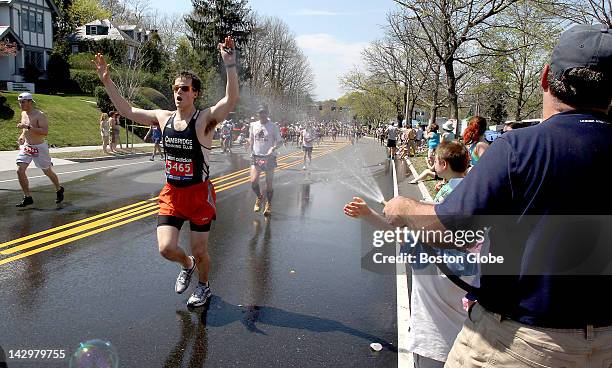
[(7, 158)]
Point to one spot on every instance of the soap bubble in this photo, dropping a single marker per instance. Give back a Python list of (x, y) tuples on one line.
[(95, 354)]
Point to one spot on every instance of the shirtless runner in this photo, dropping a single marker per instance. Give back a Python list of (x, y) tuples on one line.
[(33, 147)]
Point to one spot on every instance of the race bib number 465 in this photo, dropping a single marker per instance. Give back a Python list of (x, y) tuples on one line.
[(179, 169)]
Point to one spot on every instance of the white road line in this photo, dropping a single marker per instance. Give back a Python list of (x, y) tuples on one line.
[(404, 357), (77, 171)]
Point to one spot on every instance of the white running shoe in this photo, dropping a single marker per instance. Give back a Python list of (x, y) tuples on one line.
[(200, 295), (184, 278)]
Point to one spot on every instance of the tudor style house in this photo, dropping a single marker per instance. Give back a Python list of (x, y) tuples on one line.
[(28, 23)]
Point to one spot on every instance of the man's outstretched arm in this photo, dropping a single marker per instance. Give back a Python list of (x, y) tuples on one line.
[(146, 117), (401, 211), (232, 93), (406, 212)]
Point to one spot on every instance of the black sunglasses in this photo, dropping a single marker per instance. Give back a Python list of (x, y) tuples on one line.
[(175, 88)]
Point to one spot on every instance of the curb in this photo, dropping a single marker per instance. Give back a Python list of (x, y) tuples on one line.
[(107, 158), (404, 356), (422, 188)]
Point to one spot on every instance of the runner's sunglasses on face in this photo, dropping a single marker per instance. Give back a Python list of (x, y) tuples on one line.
[(175, 88)]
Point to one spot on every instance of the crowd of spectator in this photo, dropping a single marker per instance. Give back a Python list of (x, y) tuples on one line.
[(237, 131), (545, 304)]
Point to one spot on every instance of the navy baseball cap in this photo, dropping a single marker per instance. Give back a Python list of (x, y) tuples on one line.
[(583, 46)]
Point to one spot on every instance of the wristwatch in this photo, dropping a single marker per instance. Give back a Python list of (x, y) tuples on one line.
[(28, 127)]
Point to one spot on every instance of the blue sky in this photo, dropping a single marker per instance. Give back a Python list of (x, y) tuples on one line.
[(331, 33)]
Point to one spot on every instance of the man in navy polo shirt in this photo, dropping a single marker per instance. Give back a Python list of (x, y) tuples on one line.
[(542, 308)]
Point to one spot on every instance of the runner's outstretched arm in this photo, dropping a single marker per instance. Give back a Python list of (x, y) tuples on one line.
[(232, 93), (146, 117)]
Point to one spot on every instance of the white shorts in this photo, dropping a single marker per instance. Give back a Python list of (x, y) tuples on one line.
[(37, 152)]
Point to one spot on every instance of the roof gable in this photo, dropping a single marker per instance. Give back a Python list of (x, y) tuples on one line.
[(51, 4), (6, 31), (114, 33)]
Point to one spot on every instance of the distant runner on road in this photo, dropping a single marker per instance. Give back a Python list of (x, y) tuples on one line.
[(308, 136), (188, 194), (392, 140), (33, 147), (264, 140), (226, 135)]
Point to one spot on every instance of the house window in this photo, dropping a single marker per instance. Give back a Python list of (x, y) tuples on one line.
[(32, 21), (94, 30), (34, 58), (39, 23), (24, 20)]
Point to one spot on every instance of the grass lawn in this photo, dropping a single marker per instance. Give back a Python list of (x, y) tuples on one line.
[(420, 164), (73, 121)]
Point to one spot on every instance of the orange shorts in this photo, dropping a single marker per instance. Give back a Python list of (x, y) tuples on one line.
[(195, 203)]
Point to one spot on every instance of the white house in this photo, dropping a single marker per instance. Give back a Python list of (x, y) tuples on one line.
[(98, 30), (29, 23)]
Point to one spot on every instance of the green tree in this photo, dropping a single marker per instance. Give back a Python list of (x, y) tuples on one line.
[(85, 11), (154, 56), (186, 57), (371, 107), (6, 113), (453, 29), (64, 21), (376, 92), (103, 101), (212, 20), (497, 112)]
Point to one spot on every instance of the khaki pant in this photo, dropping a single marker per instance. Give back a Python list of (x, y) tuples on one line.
[(423, 362), (487, 340), (412, 147)]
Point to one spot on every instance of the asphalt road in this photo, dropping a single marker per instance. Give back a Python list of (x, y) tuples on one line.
[(291, 291)]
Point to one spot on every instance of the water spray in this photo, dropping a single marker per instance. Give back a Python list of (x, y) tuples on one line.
[(383, 202)]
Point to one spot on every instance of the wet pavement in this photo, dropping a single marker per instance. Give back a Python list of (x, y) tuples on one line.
[(289, 291)]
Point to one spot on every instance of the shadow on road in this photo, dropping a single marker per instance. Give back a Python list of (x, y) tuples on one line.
[(225, 313)]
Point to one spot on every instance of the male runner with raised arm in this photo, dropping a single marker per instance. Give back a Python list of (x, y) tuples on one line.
[(264, 140), (188, 194)]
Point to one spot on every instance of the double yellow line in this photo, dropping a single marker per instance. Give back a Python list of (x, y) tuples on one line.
[(80, 229)]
